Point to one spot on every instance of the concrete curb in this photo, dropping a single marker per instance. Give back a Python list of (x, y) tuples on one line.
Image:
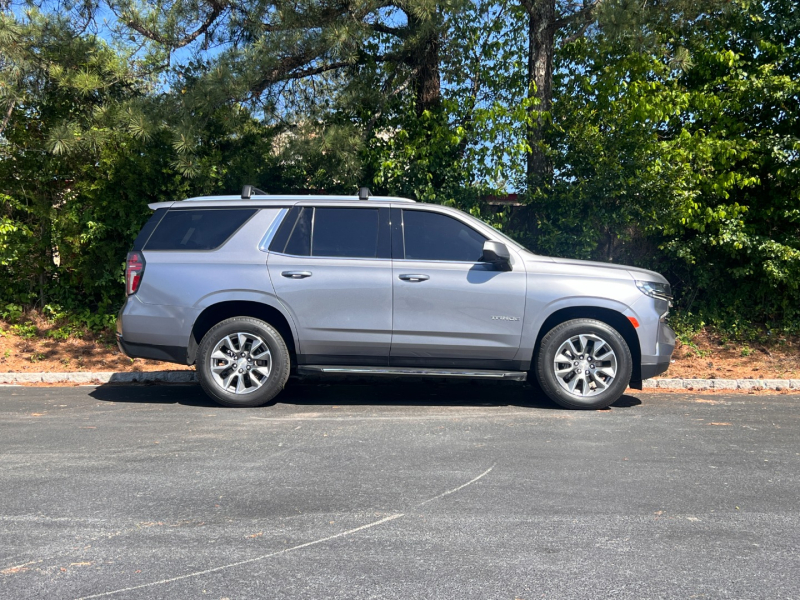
[(101, 377), (191, 377), (722, 384)]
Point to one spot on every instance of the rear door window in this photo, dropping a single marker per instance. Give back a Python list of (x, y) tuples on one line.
[(337, 233), (201, 229), (345, 232)]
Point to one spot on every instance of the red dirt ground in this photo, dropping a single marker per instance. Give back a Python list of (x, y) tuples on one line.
[(31, 347)]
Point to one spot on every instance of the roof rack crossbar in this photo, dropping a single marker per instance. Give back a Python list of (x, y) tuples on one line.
[(249, 190)]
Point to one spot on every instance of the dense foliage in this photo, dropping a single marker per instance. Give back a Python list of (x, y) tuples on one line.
[(687, 161), (665, 138)]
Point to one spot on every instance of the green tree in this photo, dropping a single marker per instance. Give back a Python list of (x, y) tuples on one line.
[(88, 141), (736, 232), (58, 91), (686, 160)]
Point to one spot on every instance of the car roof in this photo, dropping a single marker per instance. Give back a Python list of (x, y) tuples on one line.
[(265, 201)]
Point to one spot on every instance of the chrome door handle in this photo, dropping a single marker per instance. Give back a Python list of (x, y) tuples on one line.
[(414, 277), (296, 274)]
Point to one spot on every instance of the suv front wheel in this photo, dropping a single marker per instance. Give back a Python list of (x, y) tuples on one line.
[(583, 364), (242, 362)]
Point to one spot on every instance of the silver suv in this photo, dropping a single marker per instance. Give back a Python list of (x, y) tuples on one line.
[(250, 288)]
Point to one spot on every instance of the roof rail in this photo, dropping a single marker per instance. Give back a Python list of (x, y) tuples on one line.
[(256, 196), (249, 190)]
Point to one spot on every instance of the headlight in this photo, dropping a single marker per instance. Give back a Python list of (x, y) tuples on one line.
[(662, 291)]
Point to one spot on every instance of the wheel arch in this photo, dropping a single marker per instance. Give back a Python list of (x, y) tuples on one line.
[(608, 316), (220, 311)]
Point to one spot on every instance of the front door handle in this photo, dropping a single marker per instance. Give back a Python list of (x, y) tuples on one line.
[(296, 274), (414, 277)]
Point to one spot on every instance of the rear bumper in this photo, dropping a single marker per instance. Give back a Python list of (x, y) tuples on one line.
[(155, 331), (174, 354)]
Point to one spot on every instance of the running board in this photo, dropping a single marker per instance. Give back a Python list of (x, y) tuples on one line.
[(412, 372)]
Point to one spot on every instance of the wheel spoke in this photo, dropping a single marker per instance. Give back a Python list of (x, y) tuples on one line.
[(563, 371), (228, 380), (607, 371), (262, 355), (242, 337), (261, 370), (255, 382), (563, 358), (600, 344), (601, 385)]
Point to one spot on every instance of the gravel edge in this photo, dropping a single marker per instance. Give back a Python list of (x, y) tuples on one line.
[(101, 377)]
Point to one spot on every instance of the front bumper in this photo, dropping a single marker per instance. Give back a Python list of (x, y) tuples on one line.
[(659, 362), (650, 371)]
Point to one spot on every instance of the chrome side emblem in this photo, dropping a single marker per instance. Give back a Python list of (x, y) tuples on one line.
[(504, 318)]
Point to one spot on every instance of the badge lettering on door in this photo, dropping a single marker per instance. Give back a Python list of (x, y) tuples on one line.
[(504, 318)]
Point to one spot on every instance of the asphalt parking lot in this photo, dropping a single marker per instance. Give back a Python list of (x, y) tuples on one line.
[(396, 491)]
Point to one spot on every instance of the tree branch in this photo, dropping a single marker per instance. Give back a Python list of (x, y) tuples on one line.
[(7, 117), (386, 97), (587, 13), (285, 71), (578, 34), (400, 32), (216, 10)]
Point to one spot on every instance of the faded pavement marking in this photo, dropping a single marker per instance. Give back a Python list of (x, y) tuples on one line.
[(287, 550)]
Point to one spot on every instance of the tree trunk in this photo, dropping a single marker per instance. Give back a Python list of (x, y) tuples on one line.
[(423, 59), (541, 31)]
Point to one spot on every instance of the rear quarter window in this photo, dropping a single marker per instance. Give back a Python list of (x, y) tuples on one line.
[(149, 227), (201, 229)]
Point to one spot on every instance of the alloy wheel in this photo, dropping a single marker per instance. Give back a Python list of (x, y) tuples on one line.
[(240, 363), (585, 365)]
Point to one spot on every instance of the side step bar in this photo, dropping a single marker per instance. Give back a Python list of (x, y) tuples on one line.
[(412, 372)]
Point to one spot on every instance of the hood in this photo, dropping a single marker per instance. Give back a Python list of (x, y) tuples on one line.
[(633, 272)]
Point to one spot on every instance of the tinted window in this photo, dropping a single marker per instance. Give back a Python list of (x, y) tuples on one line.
[(299, 243), (350, 232), (432, 236), (203, 229), (147, 230), (278, 243)]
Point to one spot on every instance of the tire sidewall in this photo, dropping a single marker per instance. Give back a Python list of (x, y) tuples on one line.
[(280, 362), (547, 353)]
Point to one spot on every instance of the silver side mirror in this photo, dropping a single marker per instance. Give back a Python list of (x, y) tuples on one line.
[(497, 254)]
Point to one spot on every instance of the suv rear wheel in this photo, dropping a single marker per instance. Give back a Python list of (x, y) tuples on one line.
[(242, 362), (584, 364)]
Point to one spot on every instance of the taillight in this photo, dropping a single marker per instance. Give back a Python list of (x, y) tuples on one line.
[(134, 270)]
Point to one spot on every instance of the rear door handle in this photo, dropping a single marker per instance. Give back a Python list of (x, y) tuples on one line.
[(414, 277), (296, 274)]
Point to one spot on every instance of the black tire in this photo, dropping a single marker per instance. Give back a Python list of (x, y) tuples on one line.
[(555, 387), (268, 387)]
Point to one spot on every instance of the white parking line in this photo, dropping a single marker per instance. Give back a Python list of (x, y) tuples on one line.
[(249, 560), (287, 550)]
